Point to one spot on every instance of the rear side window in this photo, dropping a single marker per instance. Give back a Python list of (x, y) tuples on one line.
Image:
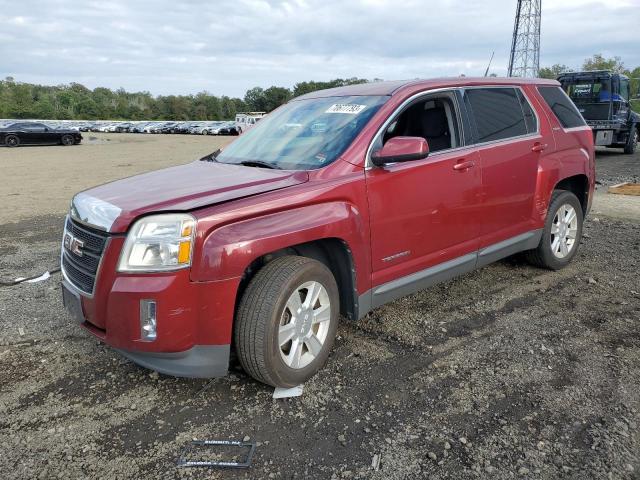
[(530, 119), (562, 107), (498, 113)]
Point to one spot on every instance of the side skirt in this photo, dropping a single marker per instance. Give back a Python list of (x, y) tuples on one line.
[(387, 292)]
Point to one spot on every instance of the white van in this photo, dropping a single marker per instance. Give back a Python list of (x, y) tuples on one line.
[(246, 120)]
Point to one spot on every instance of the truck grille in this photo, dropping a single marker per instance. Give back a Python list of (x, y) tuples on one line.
[(82, 249)]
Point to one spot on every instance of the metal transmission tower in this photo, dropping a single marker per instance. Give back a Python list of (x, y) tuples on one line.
[(524, 60)]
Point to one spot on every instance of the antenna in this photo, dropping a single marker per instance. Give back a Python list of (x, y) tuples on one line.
[(486, 72), (524, 60)]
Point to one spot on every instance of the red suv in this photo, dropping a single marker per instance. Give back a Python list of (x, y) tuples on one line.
[(336, 203)]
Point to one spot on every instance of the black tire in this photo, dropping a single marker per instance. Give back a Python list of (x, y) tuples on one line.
[(205, 132), (67, 140), (12, 141), (259, 316), (632, 144), (543, 256)]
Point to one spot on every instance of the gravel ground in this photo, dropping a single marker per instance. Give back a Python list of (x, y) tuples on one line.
[(508, 372)]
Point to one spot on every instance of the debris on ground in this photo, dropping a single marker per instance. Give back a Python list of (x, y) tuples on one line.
[(195, 447), (280, 392)]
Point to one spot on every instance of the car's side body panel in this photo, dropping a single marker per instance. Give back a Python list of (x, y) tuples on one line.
[(422, 213)]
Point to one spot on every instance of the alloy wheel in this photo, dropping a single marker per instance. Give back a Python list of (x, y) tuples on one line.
[(564, 231), (304, 325)]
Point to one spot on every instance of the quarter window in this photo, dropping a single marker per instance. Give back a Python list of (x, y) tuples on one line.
[(530, 119), (562, 107), (498, 113)]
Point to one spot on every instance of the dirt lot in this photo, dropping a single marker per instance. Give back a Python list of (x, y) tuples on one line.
[(508, 372), (43, 179)]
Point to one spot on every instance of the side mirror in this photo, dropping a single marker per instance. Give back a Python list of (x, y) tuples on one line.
[(401, 149)]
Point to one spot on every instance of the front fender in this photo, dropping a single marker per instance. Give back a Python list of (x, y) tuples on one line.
[(227, 251)]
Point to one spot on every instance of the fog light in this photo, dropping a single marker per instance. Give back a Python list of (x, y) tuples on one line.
[(148, 320)]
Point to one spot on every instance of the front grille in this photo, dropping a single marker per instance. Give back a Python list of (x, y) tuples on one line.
[(81, 269)]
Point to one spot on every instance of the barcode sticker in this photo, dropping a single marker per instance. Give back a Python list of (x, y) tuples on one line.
[(349, 108)]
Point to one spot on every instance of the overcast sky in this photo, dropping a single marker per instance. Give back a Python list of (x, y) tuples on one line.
[(226, 47)]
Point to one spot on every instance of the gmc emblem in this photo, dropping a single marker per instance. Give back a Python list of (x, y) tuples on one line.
[(73, 244)]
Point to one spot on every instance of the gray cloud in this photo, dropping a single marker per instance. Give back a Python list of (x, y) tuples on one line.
[(226, 47)]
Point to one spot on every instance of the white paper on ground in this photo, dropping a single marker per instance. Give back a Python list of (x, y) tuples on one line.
[(41, 278), (288, 392)]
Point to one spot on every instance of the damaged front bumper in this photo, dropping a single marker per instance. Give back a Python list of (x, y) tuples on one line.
[(192, 324)]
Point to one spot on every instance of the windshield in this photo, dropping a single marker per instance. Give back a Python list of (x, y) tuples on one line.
[(585, 91), (304, 134)]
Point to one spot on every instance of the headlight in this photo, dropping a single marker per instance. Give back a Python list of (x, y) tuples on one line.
[(158, 243)]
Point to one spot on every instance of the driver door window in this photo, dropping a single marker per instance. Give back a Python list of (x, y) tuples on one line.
[(433, 119)]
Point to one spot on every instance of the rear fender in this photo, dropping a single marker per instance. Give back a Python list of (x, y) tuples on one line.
[(555, 168)]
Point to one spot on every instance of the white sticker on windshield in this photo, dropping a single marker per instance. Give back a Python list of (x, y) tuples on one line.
[(349, 108)]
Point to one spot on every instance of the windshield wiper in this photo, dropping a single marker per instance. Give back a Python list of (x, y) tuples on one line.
[(259, 163)]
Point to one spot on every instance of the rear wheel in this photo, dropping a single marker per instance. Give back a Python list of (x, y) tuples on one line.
[(67, 140), (632, 145), (12, 141), (562, 232), (287, 321)]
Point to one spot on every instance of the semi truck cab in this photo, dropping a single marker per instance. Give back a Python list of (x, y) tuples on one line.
[(602, 97)]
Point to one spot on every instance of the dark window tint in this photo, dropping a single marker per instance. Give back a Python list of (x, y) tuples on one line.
[(530, 119), (562, 106), (497, 113)]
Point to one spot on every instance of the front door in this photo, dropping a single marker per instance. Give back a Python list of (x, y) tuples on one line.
[(423, 212)]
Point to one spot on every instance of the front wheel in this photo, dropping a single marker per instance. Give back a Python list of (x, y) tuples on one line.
[(562, 232), (67, 140), (287, 321), (632, 145)]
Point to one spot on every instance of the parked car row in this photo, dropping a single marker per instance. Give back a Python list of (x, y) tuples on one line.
[(191, 127)]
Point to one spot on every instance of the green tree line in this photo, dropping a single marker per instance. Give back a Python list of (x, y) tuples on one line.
[(75, 101)]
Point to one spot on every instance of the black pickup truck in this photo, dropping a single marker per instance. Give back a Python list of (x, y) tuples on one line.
[(603, 99), (34, 133)]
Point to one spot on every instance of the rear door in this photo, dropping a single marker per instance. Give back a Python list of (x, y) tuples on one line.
[(507, 135)]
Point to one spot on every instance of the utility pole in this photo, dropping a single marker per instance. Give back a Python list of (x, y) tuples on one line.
[(524, 60)]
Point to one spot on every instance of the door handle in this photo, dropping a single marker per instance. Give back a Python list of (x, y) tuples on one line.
[(464, 165), (539, 147)]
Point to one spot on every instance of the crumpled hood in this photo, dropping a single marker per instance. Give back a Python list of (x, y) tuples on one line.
[(113, 206)]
